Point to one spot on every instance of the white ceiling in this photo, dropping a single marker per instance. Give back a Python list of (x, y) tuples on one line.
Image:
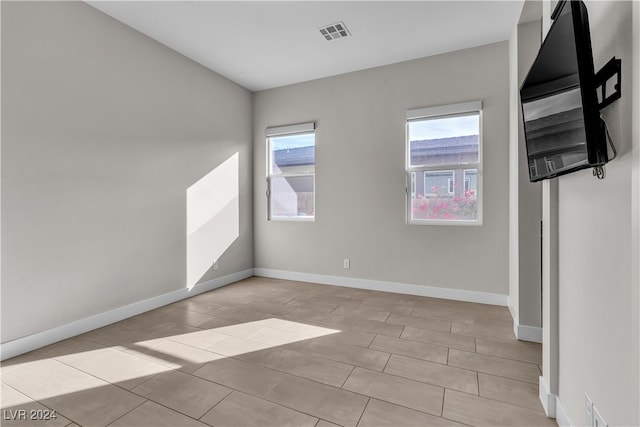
[(266, 44)]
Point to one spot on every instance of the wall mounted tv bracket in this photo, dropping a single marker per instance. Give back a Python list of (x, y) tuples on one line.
[(611, 69)]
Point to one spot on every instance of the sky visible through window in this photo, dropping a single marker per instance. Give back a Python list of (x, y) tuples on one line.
[(292, 141), (446, 127)]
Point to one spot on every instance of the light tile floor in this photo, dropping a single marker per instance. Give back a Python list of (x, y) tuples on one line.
[(265, 352)]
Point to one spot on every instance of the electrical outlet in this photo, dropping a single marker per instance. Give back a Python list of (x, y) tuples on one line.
[(215, 265), (588, 410), (346, 263), (598, 421)]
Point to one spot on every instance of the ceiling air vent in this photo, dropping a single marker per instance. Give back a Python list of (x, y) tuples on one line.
[(334, 31)]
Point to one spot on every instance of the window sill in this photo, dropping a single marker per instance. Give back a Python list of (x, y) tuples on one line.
[(293, 219), (465, 223)]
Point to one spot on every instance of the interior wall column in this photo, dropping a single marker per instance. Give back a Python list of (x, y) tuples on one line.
[(550, 343)]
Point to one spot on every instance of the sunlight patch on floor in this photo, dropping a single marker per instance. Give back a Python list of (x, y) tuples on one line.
[(248, 337), (70, 369)]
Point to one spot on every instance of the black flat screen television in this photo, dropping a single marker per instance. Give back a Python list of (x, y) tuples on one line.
[(562, 125)]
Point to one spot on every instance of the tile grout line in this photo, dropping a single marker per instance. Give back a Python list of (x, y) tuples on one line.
[(325, 357), (164, 406), (399, 404), (218, 403), (498, 376), (387, 362), (424, 342), (98, 378), (413, 308), (437, 363), (432, 318), (264, 396), (374, 338), (363, 411), (126, 413), (347, 378), (290, 373), (428, 383), (497, 357), (512, 404), (278, 403), (527, 408)]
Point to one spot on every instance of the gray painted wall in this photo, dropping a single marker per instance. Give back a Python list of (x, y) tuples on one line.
[(514, 147), (360, 178), (525, 198), (529, 197), (598, 233), (103, 132)]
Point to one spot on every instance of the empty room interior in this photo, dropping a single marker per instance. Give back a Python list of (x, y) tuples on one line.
[(301, 213)]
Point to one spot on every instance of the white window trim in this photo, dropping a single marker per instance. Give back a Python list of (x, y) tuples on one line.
[(444, 110), (413, 184), (417, 114), (290, 129), (295, 129)]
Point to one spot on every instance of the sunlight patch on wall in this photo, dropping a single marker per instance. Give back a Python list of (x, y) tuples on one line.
[(213, 218)]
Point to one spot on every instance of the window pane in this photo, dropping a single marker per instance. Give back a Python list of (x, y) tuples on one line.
[(293, 153), (448, 140), (292, 196), (444, 195)]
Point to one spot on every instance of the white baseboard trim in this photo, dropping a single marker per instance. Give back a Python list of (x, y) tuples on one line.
[(514, 316), (547, 398), (31, 342), (562, 418), (529, 333), (376, 285), (552, 405), (523, 332)]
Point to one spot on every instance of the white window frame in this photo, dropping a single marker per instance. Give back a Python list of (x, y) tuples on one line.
[(287, 130), (443, 111), (413, 184)]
